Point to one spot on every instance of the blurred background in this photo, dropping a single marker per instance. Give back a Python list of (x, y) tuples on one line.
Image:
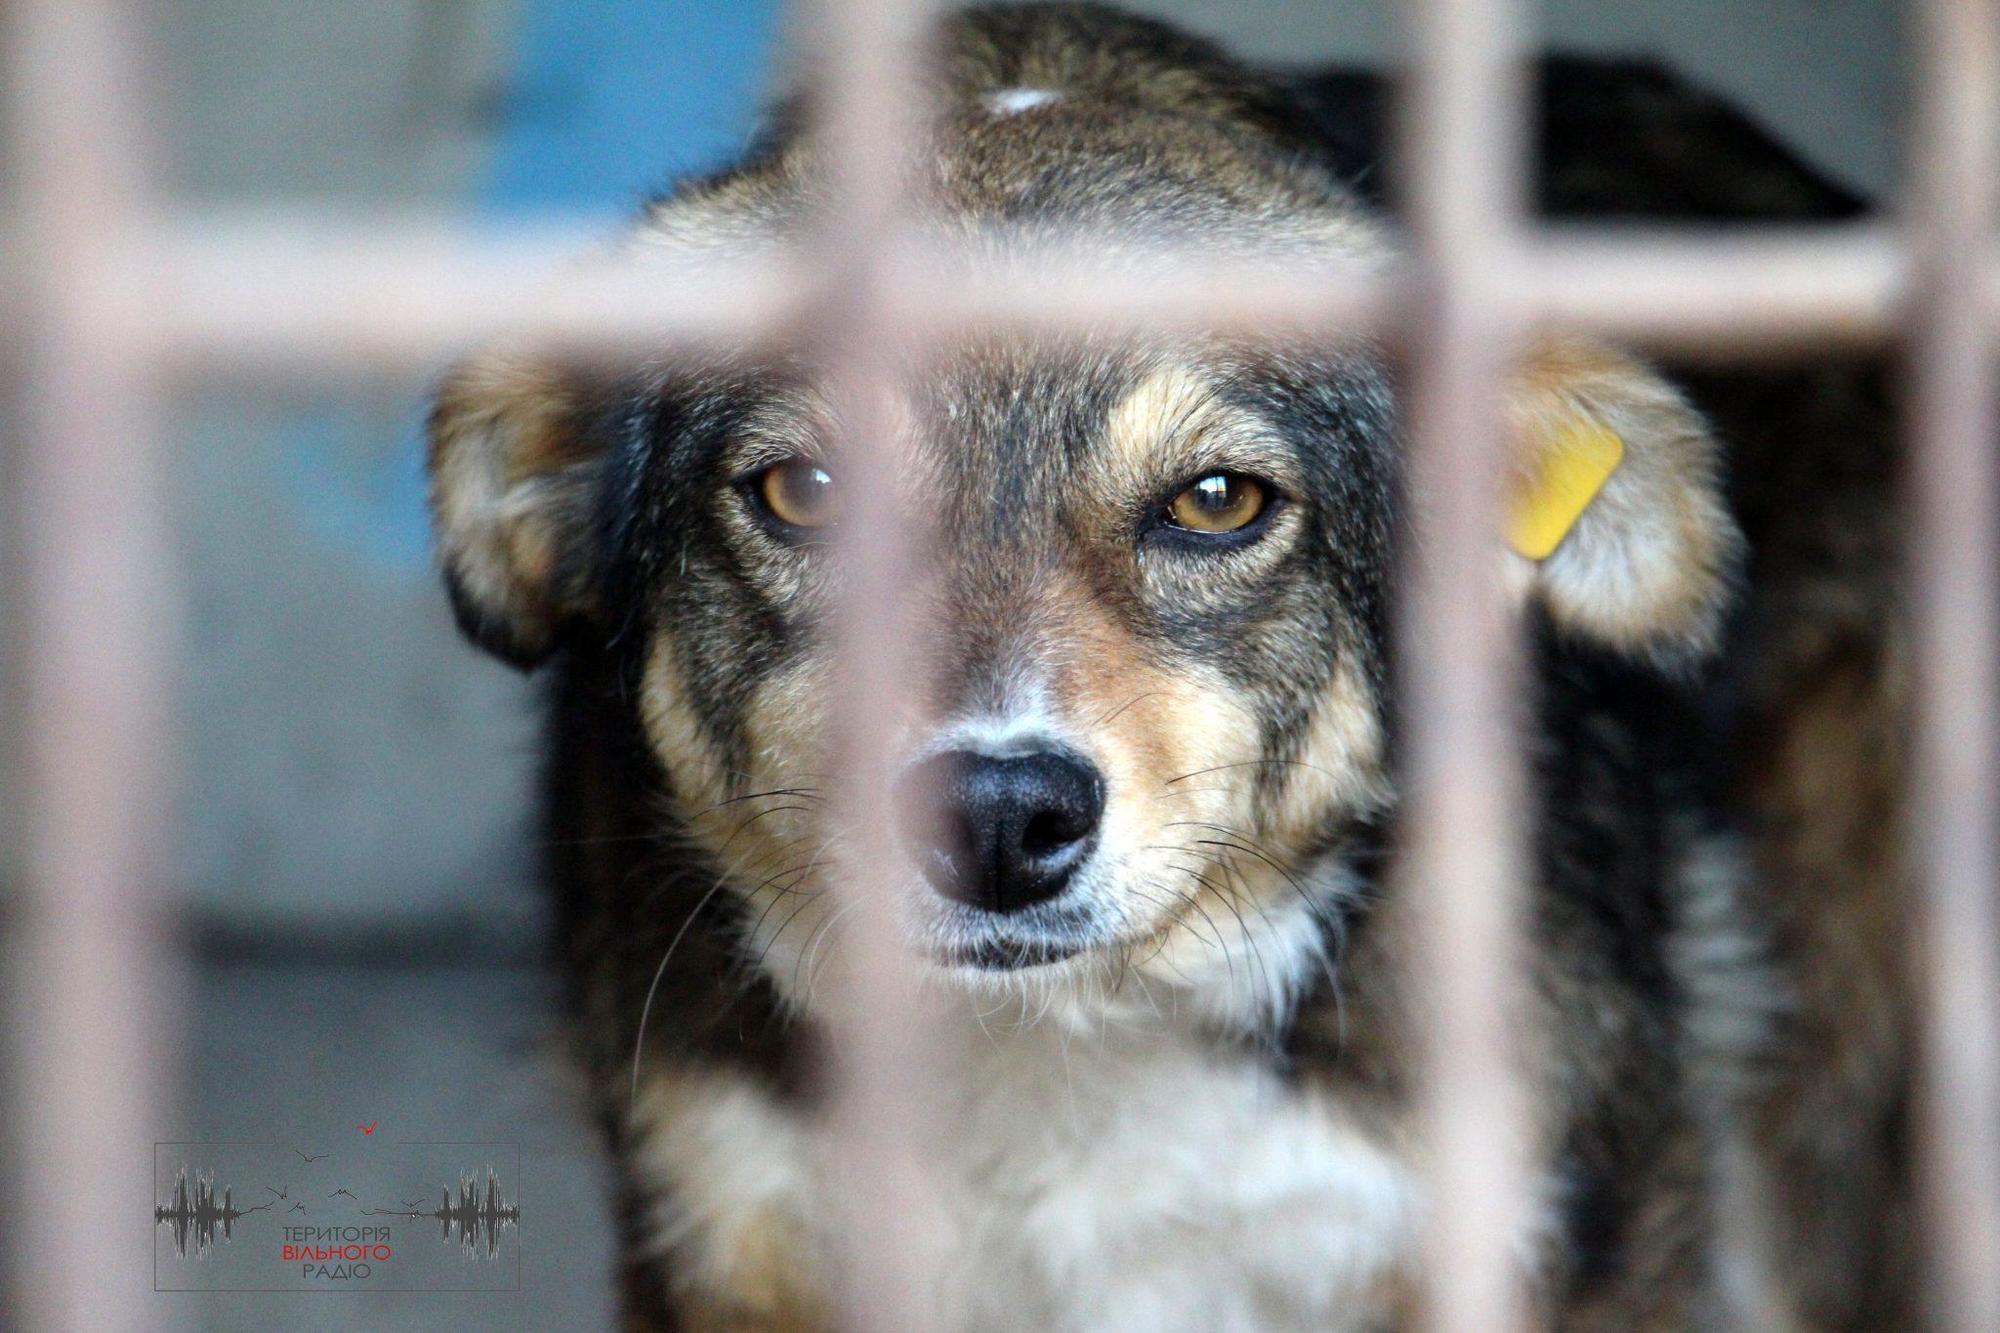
[(353, 826)]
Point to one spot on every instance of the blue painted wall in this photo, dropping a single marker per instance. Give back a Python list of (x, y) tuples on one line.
[(609, 101), (613, 99), (348, 757)]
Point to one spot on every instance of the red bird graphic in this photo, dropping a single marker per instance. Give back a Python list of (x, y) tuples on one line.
[(368, 1128)]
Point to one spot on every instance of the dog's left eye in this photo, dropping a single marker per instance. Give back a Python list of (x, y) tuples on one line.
[(798, 492), (1218, 503)]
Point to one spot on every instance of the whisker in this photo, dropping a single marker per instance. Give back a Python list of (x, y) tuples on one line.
[(1246, 844), (1251, 763), (803, 793), (737, 832), (1193, 791), (805, 955), (646, 1009), (1187, 901), (1176, 918), (653, 987), (783, 926), (1332, 928), (604, 840), (1145, 694), (751, 861), (1250, 937)]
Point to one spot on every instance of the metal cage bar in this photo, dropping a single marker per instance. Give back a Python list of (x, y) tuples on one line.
[(116, 295), (1462, 167), (885, 1051), (301, 296), (1952, 554), (96, 1008)]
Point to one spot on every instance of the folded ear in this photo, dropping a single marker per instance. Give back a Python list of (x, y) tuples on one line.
[(1617, 513), (513, 466)]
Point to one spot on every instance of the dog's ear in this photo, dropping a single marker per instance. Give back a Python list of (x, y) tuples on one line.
[(513, 467), (1617, 522)]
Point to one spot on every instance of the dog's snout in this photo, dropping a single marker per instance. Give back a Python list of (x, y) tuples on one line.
[(1001, 833)]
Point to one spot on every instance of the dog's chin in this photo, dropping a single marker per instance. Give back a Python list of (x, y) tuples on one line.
[(1068, 940), (976, 948), (999, 953)]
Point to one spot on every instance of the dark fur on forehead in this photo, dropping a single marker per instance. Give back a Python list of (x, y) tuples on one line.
[(1120, 60), (1153, 136), (1120, 57)]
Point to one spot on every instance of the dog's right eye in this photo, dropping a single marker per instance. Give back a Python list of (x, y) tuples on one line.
[(798, 493), (1218, 504)]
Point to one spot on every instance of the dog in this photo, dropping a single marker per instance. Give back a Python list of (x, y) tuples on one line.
[(1158, 909)]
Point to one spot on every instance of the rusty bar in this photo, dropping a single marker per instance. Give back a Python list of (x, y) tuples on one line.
[(288, 296), (284, 295), (884, 1048), (293, 294), (1954, 545), (96, 993), (1461, 169), (1723, 294)]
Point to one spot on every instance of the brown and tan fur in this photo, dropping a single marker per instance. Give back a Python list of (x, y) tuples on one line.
[(1183, 1090)]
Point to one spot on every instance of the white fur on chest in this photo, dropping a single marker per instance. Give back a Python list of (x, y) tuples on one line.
[(1124, 1182)]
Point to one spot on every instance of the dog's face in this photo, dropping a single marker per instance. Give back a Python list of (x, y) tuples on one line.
[(1147, 667), (1148, 699)]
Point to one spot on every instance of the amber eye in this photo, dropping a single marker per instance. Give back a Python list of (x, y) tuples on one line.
[(1219, 502), (799, 492)]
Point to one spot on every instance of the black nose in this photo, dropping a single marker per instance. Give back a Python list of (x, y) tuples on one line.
[(1002, 834)]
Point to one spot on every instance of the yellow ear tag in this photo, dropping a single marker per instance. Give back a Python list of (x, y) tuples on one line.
[(1572, 470)]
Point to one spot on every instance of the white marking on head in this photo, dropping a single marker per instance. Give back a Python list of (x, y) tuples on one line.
[(1013, 101)]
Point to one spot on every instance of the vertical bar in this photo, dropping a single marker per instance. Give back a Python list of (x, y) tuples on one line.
[(95, 999), (1954, 546), (884, 1047), (1463, 165)]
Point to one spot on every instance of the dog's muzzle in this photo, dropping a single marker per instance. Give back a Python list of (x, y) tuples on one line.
[(1001, 834)]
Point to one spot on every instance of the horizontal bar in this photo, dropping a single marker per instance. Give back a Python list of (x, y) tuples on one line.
[(1769, 290), (270, 294), (275, 294), (262, 293)]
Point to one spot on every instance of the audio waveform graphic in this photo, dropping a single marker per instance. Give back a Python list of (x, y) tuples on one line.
[(193, 1214), (477, 1218)]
